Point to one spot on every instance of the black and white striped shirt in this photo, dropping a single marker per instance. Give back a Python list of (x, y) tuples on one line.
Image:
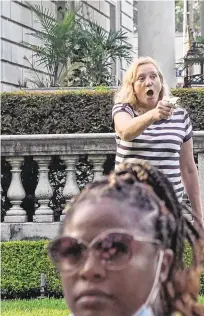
[(159, 144)]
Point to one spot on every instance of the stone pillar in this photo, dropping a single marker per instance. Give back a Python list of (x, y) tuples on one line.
[(98, 161), (71, 188), (187, 204), (43, 192), (202, 17), (16, 193), (118, 27), (156, 35), (201, 178)]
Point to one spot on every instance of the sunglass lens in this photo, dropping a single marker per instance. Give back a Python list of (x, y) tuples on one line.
[(115, 249), (68, 249)]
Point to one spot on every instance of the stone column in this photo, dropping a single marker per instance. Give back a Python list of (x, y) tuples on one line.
[(202, 17), (118, 27), (16, 193), (156, 35), (201, 177), (98, 161), (71, 188), (43, 192), (187, 212)]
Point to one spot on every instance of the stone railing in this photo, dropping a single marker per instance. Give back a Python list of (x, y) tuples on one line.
[(69, 147)]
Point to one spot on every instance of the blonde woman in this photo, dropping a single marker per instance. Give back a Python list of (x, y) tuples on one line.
[(148, 127)]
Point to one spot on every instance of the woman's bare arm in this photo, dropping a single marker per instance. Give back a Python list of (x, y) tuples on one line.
[(128, 128), (189, 175)]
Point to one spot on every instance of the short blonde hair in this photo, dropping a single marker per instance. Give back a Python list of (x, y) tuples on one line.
[(126, 93)]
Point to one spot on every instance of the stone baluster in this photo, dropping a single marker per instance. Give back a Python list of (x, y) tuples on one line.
[(16, 193), (186, 202), (98, 161), (201, 178), (71, 188), (43, 192)]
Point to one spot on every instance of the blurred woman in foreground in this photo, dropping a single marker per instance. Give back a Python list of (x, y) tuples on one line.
[(121, 248)]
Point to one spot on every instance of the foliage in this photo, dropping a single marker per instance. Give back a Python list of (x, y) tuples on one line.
[(179, 15), (97, 51), (193, 101), (68, 76), (75, 53), (56, 40), (188, 260), (31, 259), (102, 88), (76, 111), (200, 39), (49, 113)]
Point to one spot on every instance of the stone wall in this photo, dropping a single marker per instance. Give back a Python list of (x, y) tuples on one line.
[(17, 21)]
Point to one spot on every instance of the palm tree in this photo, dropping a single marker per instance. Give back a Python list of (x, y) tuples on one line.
[(97, 50), (81, 50), (56, 41)]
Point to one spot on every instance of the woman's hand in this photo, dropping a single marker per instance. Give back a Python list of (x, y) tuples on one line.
[(163, 110)]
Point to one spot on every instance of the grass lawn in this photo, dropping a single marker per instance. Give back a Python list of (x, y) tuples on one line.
[(201, 300), (38, 307)]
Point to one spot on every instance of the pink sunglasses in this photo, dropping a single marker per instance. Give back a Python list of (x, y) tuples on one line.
[(114, 248)]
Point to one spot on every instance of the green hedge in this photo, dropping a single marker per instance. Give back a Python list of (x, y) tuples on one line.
[(22, 264), (76, 111), (193, 101), (56, 113), (21, 267), (188, 260)]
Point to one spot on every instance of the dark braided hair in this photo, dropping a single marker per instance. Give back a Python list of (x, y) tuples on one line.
[(138, 184)]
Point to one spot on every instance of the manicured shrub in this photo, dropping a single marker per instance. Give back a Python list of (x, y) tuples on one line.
[(76, 111), (56, 113), (24, 261), (193, 101), (22, 264), (188, 260)]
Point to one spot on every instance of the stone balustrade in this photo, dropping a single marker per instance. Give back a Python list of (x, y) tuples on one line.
[(69, 147)]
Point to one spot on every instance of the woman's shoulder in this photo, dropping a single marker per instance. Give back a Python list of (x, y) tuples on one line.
[(123, 107)]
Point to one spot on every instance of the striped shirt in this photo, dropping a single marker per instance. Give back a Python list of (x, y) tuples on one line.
[(159, 144)]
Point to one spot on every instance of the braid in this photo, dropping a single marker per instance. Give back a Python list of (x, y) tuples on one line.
[(139, 184)]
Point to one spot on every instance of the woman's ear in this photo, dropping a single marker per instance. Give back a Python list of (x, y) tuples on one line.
[(166, 264)]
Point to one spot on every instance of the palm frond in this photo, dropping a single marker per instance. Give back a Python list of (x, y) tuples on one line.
[(45, 17)]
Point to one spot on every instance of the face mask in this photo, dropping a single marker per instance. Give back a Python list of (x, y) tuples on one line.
[(145, 309)]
